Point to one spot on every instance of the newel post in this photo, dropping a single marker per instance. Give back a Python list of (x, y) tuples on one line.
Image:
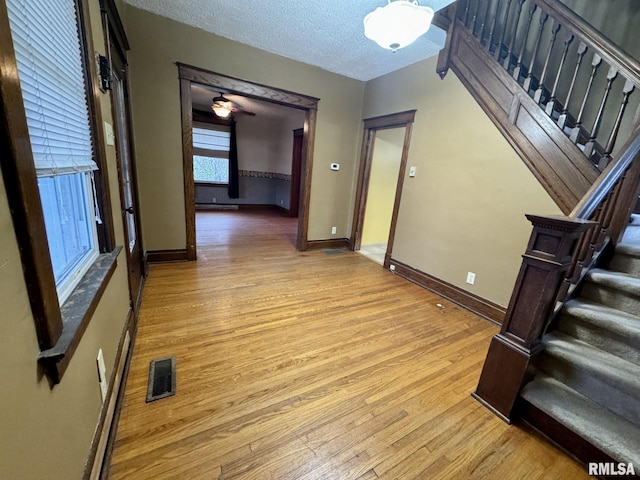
[(545, 263)]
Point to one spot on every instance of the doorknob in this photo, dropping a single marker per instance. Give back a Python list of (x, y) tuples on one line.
[(129, 210)]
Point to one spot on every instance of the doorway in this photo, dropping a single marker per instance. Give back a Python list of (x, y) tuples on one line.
[(383, 163), (378, 214), (117, 46), (190, 75)]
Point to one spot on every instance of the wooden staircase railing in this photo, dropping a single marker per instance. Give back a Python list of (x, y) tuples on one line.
[(560, 252), (560, 92)]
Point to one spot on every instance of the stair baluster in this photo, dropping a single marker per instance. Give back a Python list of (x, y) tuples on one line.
[(537, 96), (518, 68), (494, 21), (595, 64), (507, 60), (562, 120), (484, 24), (503, 30), (536, 45), (589, 147), (626, 91), (552, 101)]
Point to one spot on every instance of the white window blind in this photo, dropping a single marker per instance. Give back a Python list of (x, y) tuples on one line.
[(47, 47), (215, 142)]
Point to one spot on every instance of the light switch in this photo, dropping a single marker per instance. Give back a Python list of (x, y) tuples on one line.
[(412, 171), (108, 133)]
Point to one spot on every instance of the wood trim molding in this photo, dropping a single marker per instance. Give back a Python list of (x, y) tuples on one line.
[(475, 304), (559, 166), (391, 120), (245, 87), (187, 165), (164, 256), (23, 195), (371, 126), (329, 243), (103, 442), (115, 23), (189, 74), (396, 203)]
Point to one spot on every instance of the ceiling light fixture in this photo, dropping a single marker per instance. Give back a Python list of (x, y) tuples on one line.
[(221, 106), (397, 24)]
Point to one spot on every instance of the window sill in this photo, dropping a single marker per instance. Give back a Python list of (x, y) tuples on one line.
[(76, 312), (202, 183)]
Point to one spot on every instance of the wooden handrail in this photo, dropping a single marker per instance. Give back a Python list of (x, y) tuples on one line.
[(607, 49), (610, 176)]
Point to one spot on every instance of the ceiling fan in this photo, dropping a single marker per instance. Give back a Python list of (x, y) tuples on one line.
[(224, 107)]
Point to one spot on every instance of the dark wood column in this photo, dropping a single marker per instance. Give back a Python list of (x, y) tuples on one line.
[(549, 255)]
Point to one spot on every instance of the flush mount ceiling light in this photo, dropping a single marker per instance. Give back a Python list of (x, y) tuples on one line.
[(397, 24), (221, 106)]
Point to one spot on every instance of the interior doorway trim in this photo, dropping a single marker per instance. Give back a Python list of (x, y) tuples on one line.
[(371, 126), (189, 74)]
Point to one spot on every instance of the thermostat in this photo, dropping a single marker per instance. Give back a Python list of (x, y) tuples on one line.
[(335, 166)]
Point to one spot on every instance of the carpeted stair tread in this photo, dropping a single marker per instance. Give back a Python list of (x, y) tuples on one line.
[(606, 328), (616, 280), (629, 249), (604, 429), (604, 378)]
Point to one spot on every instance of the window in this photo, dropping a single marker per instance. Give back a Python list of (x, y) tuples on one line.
[(211, 154), (51, 151), (49, 59)]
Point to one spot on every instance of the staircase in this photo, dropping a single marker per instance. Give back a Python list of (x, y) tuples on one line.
[(587, 378), (567, 358)]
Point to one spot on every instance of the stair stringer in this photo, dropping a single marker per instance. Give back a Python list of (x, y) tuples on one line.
[(560, 167)]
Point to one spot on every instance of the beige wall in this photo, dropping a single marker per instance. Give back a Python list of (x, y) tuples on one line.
[(156, 44), (385, 165), (464, 210), (46, 433)]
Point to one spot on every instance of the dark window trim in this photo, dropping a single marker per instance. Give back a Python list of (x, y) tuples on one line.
[(58, 328), (202, 183)]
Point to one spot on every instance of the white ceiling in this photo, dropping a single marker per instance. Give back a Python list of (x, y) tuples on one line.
[(325, 33)]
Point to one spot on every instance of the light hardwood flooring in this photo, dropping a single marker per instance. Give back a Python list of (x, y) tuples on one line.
[(310, 366)]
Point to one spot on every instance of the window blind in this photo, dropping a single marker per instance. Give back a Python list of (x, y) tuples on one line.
[(52, 81), (213, 140)]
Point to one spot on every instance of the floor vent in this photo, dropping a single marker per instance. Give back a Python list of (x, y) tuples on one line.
[(162, 378), (333, 251)]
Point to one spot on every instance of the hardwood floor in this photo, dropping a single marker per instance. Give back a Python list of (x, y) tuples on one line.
[(310, 366)]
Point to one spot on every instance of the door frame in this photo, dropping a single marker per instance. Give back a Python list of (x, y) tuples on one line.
[(296, 170), (117, 45), (371, 126), (189, 74)]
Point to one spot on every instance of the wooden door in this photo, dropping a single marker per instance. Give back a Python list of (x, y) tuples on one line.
[(126, 174)]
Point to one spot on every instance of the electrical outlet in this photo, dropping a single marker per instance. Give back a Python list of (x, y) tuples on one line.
[(102, 375), (213, 200), (281, 202), (471, 278), (334, 230), (392, 268)]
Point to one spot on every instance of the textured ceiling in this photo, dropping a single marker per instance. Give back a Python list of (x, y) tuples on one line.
[(326, 33)]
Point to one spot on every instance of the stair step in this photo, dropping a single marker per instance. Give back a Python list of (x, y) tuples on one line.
[(613, 289), (626, 259), (606, 328), (604, 429), (604, 378)]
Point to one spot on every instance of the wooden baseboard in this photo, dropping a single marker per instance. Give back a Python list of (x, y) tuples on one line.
[(329, 243), (104, 436), (163, 256), (478, 305)]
